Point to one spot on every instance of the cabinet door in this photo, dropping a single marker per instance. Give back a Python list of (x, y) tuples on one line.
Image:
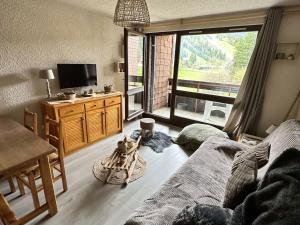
[(113, 119), (95, 121), (75, 132)]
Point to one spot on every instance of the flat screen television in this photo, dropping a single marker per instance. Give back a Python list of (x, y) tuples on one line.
[(77, 75)]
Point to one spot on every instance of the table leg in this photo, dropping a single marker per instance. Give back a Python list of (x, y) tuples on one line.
[(48, 185), (11, 185)]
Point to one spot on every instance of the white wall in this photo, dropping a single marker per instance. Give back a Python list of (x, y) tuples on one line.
[(284, 79), (39, 34)]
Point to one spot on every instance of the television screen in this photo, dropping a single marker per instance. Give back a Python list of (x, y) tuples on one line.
[(77, 75)]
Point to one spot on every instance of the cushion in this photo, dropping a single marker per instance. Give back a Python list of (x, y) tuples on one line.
[(287, 135), (260, 151), (192, 136), (203, 214), (232, 146), (242, 181)]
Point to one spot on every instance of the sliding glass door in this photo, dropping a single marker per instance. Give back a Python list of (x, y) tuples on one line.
[(161, 74), (203, 70), (134, 73)]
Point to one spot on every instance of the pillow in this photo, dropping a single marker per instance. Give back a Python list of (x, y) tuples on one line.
[(232, 146), (203, 214), (260, 151), (192, 136), (242, 182), (286, 135)]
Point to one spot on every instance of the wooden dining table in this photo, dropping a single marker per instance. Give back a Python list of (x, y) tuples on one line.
[(20, 149)]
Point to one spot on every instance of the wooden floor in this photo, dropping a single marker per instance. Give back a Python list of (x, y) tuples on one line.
[(89, 201)]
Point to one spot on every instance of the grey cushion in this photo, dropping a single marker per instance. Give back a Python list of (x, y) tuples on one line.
[(260, 151), (287, 135), (203, 214), (232, 147), (242, 181), (192, 136)]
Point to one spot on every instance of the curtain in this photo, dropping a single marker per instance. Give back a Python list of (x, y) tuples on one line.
[(247, 107)]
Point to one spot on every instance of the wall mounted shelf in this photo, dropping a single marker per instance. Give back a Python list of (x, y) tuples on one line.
[(120, 66), (287, 51)]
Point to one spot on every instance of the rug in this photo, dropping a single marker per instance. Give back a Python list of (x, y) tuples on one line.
[(157, 143), (118, 177)]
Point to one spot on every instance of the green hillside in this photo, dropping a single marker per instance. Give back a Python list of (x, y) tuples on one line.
[(216, 57)]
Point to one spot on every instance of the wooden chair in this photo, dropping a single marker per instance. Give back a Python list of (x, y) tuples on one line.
[(29, 177), (11, 183), (30, 121), (6, 214)]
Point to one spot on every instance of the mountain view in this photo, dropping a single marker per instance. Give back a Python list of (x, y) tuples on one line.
[(220, 58)]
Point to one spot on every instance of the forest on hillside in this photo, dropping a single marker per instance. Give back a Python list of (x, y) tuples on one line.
[(221, 58)]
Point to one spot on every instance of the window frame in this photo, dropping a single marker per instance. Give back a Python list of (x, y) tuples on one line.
[(173, 119), (129, 92)]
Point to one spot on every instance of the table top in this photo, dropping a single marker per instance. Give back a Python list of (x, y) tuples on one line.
[(19, 146)]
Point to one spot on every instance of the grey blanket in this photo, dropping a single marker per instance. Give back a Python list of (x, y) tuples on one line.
[(275, 202), (202, 179)]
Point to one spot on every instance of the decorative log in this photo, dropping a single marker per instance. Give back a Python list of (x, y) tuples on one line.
[(119, 160), (130, 170)]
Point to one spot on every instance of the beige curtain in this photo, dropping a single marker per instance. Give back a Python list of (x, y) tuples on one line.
[(247, 107)]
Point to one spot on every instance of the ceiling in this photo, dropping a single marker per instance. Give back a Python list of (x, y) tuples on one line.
[(161, 10)]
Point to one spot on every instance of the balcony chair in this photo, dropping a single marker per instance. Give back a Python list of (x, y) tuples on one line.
[(215, 106)]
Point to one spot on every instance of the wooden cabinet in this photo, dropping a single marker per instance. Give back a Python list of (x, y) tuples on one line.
[(95, 123), (113, 119), (87, 120), (75, 132), (71, 110), (94, 105)]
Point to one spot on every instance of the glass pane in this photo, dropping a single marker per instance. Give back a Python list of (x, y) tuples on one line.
[(205, 111), (135, 61), (162, 74), (214, 63), (135, 103)]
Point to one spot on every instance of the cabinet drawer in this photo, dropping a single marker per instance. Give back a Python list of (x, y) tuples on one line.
[(94, 105), (71, 110), (112, 101)]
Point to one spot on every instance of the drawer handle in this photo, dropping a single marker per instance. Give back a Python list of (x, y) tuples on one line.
[(94, 105), (72, 110), (112, 102)]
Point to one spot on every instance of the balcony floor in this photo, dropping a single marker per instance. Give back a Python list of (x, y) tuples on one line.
[(165, 112)]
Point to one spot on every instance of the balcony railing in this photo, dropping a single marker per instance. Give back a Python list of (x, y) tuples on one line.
[(197, 85), (201, 85)]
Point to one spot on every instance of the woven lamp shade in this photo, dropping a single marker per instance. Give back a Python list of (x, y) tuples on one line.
[(132, 13)]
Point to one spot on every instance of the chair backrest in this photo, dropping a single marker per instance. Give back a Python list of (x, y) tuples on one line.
[(30, 121), (6, 214), (54, 134)]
